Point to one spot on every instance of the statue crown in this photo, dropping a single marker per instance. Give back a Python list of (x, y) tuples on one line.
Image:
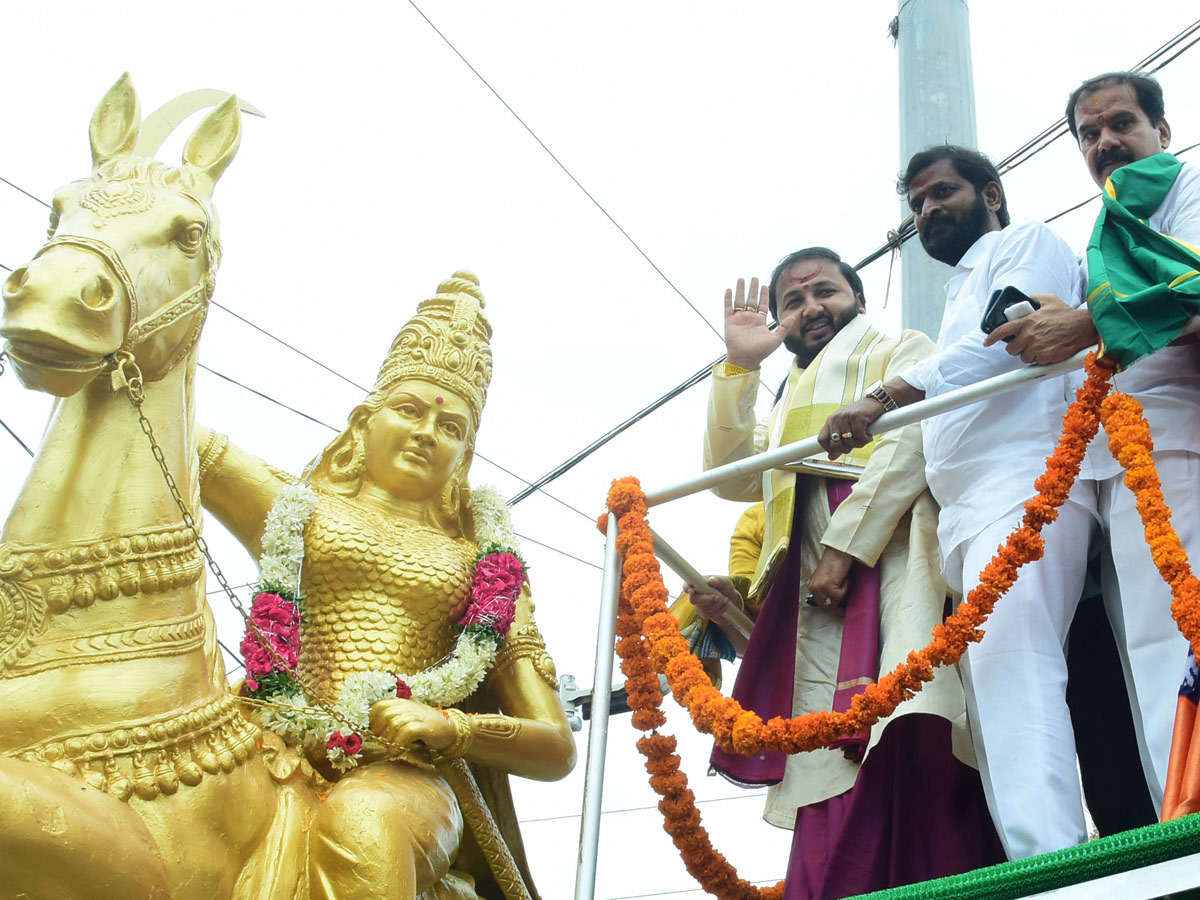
[(446, 343)]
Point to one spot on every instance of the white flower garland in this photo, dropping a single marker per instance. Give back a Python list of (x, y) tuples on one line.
[(283, 540), (292, 715)]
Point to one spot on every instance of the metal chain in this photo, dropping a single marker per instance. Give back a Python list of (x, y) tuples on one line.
[(131, 382)]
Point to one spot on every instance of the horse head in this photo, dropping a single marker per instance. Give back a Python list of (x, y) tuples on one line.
[(131, 259)]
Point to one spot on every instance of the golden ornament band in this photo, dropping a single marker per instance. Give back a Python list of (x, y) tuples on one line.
[(212, 448), (463, 731)]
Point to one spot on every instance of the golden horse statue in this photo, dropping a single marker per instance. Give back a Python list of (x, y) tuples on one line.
[(127, 769)]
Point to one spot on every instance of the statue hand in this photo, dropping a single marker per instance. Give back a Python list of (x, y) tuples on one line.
[(407, 722), (748, 338)]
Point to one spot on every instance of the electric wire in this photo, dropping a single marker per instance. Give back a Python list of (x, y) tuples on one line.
[(896, 238), (17, 187), (13, 435), (238, 663), (1082, 203), (267, 397), (305, 415), (294, 349), (567, 171), (629, 809), (365, 390), (691, 890), (613, 432), (577, 559), (1044, 138)]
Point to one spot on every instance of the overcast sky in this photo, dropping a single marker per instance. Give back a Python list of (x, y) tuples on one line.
[(719, 136)]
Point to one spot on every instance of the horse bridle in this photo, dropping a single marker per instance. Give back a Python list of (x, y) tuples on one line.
[(190, 302)]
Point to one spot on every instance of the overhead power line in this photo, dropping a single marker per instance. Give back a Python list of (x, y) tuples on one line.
[(1048, 136), (896, 239), (577, 559), (749, 795), (32, 197), (567, 171), (365, 390), (620, 428), (13, 435)]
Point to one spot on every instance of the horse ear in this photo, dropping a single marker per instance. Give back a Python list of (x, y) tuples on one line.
[(215, 141), (115, 122)]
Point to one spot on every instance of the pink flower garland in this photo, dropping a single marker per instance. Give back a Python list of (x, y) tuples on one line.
[(496, 584), (278, 621), (499, 577)]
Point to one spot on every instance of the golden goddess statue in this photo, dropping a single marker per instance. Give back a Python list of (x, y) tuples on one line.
[(390, 545)]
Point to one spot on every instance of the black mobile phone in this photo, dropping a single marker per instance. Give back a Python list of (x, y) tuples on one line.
[(1001, 300)]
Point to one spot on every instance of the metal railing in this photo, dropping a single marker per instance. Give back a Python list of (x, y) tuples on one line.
[(589, 833)]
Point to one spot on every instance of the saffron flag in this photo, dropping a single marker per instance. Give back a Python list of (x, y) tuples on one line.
[(1142, 284)]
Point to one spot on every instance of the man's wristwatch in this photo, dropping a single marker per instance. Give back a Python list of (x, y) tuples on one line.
[(876, 392)]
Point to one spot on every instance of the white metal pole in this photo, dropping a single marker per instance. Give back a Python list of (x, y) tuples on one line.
[(733, 618), (593, 786), (907, 415), (937, 106)]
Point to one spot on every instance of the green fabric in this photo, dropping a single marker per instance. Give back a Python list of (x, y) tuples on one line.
[(1074, 865), (1142, 285)]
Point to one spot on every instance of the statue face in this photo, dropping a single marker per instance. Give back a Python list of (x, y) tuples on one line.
[(416, 439)]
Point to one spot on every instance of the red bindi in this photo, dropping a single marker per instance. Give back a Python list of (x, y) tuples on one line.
[(440, 401)]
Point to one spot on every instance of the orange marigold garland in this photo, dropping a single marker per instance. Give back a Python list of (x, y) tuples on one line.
[(650, 643), (681, 818), (1131, 445), (742, 731)]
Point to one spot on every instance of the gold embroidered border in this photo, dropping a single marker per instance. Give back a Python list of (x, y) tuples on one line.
[(527, 643), (153, 755), (174, 637)]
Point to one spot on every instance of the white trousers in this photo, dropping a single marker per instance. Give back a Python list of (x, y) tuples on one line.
[(1016, 677)]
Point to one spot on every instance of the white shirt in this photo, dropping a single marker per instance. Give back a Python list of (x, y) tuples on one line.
[(982, 460), (1167, 382)]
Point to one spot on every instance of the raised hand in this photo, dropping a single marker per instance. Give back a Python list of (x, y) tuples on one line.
[(748, 339)]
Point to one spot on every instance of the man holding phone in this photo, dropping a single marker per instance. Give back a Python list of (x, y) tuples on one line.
[(981, 464), (1119, 121)]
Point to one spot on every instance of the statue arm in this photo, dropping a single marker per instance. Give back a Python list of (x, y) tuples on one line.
[(532, 739), (237, 487)]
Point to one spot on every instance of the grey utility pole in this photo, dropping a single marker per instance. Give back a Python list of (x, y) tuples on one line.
[(937, 106)]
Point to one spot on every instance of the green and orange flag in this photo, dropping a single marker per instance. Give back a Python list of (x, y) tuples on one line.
[(1143, 285)]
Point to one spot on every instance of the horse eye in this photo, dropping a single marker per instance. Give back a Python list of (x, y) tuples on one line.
[(191, 235)]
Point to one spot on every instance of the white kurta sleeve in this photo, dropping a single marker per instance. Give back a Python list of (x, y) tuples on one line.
[(894, 476), (732, 432), (1031, 258), (1184, 221)]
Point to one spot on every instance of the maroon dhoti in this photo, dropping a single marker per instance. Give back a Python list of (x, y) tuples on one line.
[(915, 811)]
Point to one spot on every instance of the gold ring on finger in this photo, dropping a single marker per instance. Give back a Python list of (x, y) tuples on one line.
[(846, 435)]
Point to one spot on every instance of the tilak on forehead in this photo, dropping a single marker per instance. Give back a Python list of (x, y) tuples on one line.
[(804, 279)]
